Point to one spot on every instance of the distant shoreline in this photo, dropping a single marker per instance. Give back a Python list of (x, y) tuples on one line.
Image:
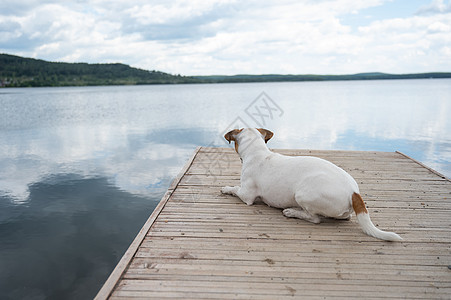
[(19, 71), (298, 78)]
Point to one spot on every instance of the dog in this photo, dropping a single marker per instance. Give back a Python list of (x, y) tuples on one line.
[(305, 187)]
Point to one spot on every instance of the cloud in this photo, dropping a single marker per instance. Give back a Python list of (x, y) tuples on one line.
[(409, 44), (176, 20), (435, 7), (229, 36)]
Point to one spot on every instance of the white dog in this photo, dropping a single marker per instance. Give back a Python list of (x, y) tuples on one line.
[(305, 187)]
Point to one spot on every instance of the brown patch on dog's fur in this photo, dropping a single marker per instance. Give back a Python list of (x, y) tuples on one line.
[(358, 205), (230, 136), (266, 134)]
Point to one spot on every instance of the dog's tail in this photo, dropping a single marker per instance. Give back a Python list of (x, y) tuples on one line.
[(365, 222)]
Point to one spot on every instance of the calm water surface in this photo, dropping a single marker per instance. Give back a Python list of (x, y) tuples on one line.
[(82, 168)]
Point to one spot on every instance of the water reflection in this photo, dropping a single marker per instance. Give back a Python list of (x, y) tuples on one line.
[(132, 161), (405, 118), (82, 168), (73, 198), (51, 247)]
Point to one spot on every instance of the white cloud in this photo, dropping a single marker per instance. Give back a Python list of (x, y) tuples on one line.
[(229, 37), (410, 44), (436, 6)]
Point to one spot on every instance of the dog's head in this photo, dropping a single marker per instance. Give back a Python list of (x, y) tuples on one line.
[(235, 135)]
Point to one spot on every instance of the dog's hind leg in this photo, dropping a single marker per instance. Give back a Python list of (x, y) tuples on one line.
[(344, 217), (297, 212)]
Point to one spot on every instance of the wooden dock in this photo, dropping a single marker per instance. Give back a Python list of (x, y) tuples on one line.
[(199, 243)]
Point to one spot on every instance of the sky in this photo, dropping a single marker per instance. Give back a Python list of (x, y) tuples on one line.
[(227, 37)]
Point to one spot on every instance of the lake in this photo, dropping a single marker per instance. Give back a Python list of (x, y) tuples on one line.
[(81, 168)]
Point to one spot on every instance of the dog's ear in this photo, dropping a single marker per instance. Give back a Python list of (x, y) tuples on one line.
[(230, 136), (267, 135)]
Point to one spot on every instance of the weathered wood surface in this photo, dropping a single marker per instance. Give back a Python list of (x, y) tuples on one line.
[(201, 244)]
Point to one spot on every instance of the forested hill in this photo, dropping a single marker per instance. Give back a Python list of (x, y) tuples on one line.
[(16, 71)]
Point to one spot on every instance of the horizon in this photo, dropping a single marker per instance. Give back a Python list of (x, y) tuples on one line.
[(239, 74), (230, 37)]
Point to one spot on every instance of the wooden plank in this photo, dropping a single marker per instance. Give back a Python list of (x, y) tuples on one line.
[(269, 288), (203, 244)]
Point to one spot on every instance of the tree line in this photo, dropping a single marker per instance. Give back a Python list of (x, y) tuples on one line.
[(16, 71)]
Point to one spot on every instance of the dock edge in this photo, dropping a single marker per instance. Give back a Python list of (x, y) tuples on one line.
[(424, 166), (120, 268)]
